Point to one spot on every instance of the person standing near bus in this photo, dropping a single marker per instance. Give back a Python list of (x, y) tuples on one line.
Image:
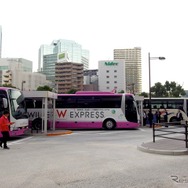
[(165, 116), (158, 116), (4, 128), (179, 116), (144, 118)]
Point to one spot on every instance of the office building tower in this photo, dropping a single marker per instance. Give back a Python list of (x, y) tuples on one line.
[(43, 50), (68, 76), (133, 70), (49, 62), (112, 75), (0, 41), (74, 50)]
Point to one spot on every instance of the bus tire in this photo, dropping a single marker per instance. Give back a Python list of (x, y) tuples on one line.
[(109, 124), (173, 119), (37, 124)]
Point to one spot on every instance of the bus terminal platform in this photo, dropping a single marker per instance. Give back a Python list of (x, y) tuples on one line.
[(164, 147)]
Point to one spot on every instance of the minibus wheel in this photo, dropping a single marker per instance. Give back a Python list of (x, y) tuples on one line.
[(109, 124)]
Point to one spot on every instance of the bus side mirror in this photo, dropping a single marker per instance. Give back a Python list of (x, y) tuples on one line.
[(5, 103)]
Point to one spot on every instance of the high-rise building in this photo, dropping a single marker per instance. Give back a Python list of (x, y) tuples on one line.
[(74, 50), (133, 70), (0, 41), (49, 62), (68, 76), (43, 50)]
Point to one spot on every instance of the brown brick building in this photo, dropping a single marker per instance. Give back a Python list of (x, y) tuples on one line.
[(69, 76)]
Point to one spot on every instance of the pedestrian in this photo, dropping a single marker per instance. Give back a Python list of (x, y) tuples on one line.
[(158, 116), (150, 118), (144, 118), (179, 116), (165, 116), (4, 128)]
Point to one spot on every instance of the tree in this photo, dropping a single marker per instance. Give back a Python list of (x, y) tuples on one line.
[(158, 90), (72, 91), (144, 94), (122, 91), (169, 89), (8, 85), (44, 88), (174, 90)]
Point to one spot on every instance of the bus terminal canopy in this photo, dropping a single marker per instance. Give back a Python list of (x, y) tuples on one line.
[(44, 95)]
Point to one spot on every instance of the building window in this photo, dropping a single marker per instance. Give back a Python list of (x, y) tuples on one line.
[(115, 70), (107, 71), (115, 76), (107, 82), (107, 76), (115, 82), (107, 88)]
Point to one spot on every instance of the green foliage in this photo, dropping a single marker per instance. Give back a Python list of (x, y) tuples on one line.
[(144, 94), (44, 88), (122, 91), (169, 89), (72, 91), (8, 85)]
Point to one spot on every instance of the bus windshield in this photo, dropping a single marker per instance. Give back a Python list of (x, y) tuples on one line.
[(131, 109), (17, 104)]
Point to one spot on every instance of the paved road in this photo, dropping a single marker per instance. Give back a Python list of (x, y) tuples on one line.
[(85, 159)]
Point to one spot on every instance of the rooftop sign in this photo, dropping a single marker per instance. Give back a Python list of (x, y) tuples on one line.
[(111, 63)]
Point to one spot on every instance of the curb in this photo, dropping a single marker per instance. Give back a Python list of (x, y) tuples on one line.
[(162, 152), (58, 134)]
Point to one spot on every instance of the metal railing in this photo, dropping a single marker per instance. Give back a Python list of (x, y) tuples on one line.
[(164, 130)]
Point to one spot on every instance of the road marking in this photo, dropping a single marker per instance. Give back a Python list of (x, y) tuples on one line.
[(19, 141), (142, 129)]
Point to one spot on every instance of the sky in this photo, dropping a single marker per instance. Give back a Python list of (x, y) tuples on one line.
[(159, 27)]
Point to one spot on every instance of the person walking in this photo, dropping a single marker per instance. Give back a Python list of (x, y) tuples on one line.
[(4, 128), (150, 118)]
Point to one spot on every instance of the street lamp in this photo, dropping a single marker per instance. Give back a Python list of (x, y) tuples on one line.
[(23, 82), (149, 59)]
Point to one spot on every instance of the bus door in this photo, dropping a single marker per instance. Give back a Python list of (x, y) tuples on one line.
[(130, 109)]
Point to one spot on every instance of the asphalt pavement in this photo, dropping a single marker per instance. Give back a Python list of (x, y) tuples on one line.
[(160, 146)]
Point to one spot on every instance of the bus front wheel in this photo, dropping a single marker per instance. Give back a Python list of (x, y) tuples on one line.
[(37, 124), (109, 124)]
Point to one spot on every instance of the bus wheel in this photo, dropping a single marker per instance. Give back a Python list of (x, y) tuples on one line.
[(37, 124), (109, 124), (173, 119)]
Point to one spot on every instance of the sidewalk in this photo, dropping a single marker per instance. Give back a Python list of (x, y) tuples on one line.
[(164, 147), (49, 132)]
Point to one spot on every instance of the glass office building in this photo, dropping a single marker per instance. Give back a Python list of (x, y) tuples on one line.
[(49, 62), (74, 50)]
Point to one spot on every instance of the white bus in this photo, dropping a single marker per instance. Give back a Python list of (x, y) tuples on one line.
[(13, 100), (89, 110), (172, 105)]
